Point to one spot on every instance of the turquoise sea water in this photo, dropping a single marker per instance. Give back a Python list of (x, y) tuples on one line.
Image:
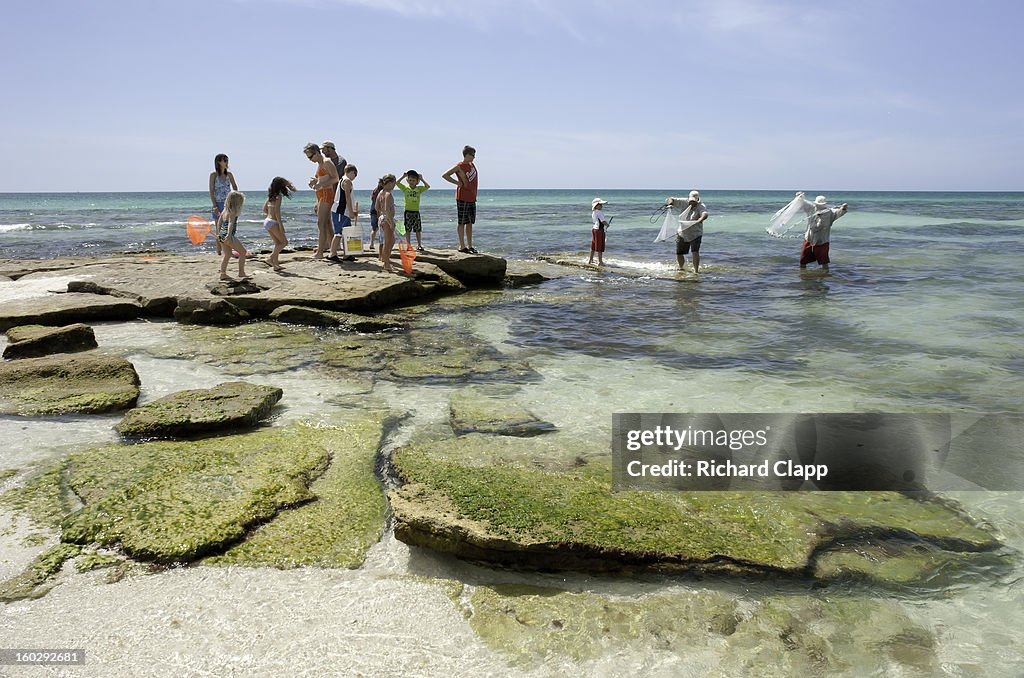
[(923, 311)]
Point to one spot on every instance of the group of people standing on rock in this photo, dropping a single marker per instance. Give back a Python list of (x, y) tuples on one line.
[(694, 213), (336, 208)]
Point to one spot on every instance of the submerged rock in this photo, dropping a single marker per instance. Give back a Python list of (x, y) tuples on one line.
[(178, 501), (534, 625), (67, 383), (285, 497), (34, 341), (233, 404), (36, 579), (546, 503), (776, 636), (337, 527), (473, 410)]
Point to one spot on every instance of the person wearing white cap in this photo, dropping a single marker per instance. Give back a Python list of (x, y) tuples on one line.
[(820, 218), (597, 231), (691, 228)]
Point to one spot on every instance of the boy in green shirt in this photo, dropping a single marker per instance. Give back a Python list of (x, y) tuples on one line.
[(412, 194)]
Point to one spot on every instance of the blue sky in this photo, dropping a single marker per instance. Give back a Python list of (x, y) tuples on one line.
[(715, 94)]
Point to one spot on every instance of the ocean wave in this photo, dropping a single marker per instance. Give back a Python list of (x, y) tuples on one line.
[(4, 228)]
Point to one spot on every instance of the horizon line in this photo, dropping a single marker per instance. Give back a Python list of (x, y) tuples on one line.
[(483, 190)]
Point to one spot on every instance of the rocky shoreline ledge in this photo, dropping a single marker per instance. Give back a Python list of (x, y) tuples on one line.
[(200, 478)]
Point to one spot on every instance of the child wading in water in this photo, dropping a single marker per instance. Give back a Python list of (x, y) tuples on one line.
[(597, 232), (226, 224), (386, 212), (274, 224)]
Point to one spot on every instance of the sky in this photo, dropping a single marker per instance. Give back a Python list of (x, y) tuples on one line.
[(710, 94)]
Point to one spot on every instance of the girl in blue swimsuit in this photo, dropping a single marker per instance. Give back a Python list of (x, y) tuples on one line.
[(227, 222), (222, 182)]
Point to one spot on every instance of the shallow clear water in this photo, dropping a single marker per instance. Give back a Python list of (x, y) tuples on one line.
[(922, 312)]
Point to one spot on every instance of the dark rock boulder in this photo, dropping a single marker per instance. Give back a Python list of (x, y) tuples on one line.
[(33, 341), (67, 383), (233, 404)]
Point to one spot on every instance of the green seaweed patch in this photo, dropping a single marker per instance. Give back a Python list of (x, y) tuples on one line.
[(257, 348), (32, 581), (910, 563), (343, 520), (177, 501), (543, 515), (8, 473), (798, 635), (533, 625), (44, 498), (93, 560)]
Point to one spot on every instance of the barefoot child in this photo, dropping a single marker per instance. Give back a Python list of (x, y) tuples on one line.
[(227, 222), (386, 213), (222, 182), (597, 231), (412, 194), (374, 217), (274, 224)]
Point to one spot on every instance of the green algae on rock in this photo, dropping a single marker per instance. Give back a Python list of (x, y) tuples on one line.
[(232, 404), (335, 529), (45, 498), (510, 501), (34, 341), (794, 636), (173, 502), (475, 410), (778, 636), (31, 583), (533, 625), (64, 384)]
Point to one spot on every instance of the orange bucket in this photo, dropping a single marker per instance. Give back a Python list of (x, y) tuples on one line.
[(197, 228), (408, 255)]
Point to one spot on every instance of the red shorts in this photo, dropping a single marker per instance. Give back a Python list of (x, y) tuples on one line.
[(818, 253), (596, 240)]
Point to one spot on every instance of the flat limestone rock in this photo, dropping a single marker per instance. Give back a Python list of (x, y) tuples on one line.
[(67, 383), (33, 341), (344, 520), (475, 410), (300, 315), (178, 501), (62, 309), (157, 285), (231, 405), (282, 497), (546, 502)]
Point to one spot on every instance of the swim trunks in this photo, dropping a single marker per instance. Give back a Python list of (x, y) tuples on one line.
[(466, 211), (412, 221), (809, 253), (684, 246), (340, 221)]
